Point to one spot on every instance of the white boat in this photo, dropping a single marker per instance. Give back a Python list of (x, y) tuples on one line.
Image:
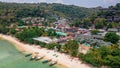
[(32, 58), (53, 63), (38, 58)]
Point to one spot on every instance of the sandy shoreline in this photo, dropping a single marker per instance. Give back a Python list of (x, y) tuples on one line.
[(62, 59)]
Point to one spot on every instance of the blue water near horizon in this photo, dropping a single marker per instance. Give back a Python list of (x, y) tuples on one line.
[(10, 57)]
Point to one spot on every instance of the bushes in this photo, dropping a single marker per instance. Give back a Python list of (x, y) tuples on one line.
[(3, 29), (29, 40), (88, 58), (42, 44), (111, 37), (71, 47), (107, 56), (12, 31), (53, 45), (27, 34), (74, 52), (94, 32)]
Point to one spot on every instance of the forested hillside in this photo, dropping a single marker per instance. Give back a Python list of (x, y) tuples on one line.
[(78, 16), (11, 12), (111, 14)]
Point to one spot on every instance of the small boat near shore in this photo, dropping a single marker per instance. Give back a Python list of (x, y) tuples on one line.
[(38, 58), (53, 63), (33, 57), (28, 55), (46, 61)]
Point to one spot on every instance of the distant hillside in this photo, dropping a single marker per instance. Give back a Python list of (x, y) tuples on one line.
[(111, 14), (10, 12)]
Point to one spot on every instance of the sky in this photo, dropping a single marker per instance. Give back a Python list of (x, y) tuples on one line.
[(82, 3)]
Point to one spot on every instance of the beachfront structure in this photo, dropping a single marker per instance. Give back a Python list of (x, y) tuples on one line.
[(45, 39)]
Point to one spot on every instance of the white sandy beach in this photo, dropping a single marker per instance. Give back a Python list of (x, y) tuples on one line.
[(62, 59)]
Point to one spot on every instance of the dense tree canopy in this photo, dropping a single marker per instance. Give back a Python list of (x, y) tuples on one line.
[(72, 47), (100, 23), (103, 56), (12, 12), (94, 32), (112, 37)]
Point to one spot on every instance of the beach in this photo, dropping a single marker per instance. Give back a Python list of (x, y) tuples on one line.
[(62, 59)]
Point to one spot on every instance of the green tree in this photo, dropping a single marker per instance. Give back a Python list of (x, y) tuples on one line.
[(52, 45), (72, 47), (100, 23), (110, 25), (94, 32), (86, 22), (103, 56), (3, 29), (76, 22), (13, 31), (93, 17), (111, 37)]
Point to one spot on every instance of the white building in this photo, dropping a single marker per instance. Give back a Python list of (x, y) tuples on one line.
[(45, 39)]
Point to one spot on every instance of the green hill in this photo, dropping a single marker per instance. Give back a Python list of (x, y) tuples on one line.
[(11, 12)]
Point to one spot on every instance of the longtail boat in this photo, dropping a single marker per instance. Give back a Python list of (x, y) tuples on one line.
[(46, 61), (28, 55), (53, 63), (38, 58), (33, 57)]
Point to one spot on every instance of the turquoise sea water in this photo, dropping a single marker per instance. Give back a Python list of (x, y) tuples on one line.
[(10, 57)]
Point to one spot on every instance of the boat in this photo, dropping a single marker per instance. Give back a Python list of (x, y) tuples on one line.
[(46, 61), (32, 58), (28, 55), (38, 58), (53, 63)]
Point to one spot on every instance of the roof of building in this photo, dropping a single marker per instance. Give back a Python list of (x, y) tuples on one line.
[(22, 26), (61, 33), (112, 29), (86, 44), (92, 41), (43, 39), (97, 36)]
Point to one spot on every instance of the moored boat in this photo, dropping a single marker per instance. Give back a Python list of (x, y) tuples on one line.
[(33, 57), (46, 61), (28, 55), (53, 63), (38, 58)]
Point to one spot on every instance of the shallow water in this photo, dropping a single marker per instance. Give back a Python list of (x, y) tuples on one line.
[(10, 57)]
